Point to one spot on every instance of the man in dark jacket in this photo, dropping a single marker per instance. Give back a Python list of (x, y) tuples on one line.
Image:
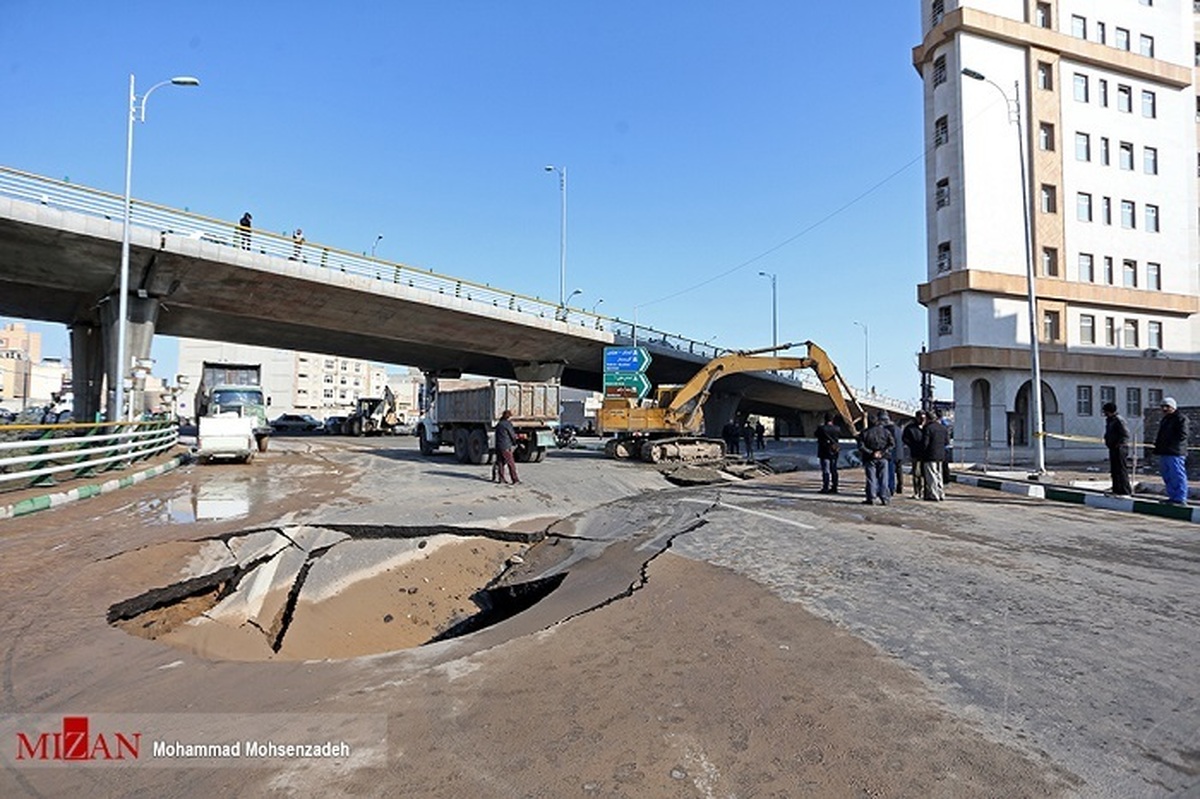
[(913, 439), (895, 477), (1170, 445), (506, 440), (875, 446), (828, 449), (1116, 438), (937, 439)]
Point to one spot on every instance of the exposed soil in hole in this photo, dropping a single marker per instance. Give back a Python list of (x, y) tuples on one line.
[(328, 593)]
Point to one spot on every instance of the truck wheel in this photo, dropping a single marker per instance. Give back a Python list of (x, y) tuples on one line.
[(262, 442), (356, 427), (427, 447), (249, 458), (460, 446), (521, 454), (539, 455), (477, 446)]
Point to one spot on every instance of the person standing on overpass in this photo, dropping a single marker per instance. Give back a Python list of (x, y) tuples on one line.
[(506, 440)]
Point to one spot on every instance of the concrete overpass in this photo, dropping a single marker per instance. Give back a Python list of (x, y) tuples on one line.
[(197, 277)]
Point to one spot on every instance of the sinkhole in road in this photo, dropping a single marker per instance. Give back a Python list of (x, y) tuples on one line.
[(313, 592)]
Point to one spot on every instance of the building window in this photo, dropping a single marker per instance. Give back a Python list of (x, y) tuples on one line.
[(1051, 326), (1154, 397), (939, 70), (1125, 155), (1151, 218), (1150, 160), (937, 10), (1078, 26), (1147, 45), (1081, 88), (1154, 335), (941, 131), (1045, 136), (942, 195), (1083, 147), (1106, 210), (945, 320), (1108, 394), (1101, 33), (1041, 15), (1104, 151), (1049, 199), (1087, 329), (943, 257), (1103, 86), (1129, 269), (1110, 337), (1131, 334), (1153, 276), (1124, 98), (1128, 209), (1149, 104), (1087, 268), (1122, 40), (1083, 207), (1133, 402), (1108, 270), (1045, 76), (1049, 262), (1083, 400)]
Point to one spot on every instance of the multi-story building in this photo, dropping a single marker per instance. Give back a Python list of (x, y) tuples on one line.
[(1072, 153), (295, 382)]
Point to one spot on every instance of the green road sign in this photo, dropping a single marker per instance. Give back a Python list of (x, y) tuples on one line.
[(632, 385)]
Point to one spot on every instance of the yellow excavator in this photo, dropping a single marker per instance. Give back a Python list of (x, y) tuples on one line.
[(669, 428)]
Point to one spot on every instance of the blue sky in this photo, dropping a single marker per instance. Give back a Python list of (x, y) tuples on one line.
[(704, 142)]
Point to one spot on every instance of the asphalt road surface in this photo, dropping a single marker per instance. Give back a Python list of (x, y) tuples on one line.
[(747, 638)]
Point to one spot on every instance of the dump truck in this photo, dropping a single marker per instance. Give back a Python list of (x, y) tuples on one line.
[(669, 427), (235, 388), (464, 416), (373, 416)]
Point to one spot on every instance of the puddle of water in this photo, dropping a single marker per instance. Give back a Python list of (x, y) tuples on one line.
[(213, 501)]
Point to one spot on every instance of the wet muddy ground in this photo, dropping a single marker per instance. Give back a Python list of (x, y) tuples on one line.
[(745, 639)]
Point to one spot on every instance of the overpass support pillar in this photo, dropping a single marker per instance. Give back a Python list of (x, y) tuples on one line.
[(87, 371), (538, 371), (143, 314), (719, 409)]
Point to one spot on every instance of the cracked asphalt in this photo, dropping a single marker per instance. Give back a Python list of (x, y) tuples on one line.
[(744, 639)]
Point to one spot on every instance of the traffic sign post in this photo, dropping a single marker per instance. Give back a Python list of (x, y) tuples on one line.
[(625, 372)]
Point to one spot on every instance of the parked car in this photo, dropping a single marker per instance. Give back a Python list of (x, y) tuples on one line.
[(295, 423), (334, 424)]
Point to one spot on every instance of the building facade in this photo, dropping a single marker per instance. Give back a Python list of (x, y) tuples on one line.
[(1069, 149)]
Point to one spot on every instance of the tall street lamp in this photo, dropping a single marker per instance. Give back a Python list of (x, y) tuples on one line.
[(774, 310), (866, 355), (137, 112), (562, 244), (597, 304), (1014, 104), (378, 239)]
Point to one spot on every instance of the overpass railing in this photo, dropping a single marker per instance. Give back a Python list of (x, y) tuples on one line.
[(44, 454), (219, 233)]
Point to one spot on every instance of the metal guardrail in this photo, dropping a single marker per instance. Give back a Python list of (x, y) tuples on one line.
[(217, 233), (41, 454)]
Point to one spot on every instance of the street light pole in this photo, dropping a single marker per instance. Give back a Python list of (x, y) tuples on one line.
[(1039, 446), (866, 355), (114, 413), (378, 239), (774, 310), (562, 243)]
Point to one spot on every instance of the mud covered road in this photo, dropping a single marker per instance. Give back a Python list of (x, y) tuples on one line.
[(749, 639)]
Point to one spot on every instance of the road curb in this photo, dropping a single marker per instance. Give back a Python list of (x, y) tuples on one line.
[(1075, 496), (45, 501)]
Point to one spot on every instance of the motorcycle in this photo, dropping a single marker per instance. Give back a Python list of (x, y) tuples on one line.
[(565, 437)]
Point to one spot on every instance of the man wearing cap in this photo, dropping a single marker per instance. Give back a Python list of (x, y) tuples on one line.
[(1170, 445)]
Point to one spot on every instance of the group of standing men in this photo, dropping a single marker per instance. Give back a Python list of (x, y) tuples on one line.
[(1170, 445), (881, 447)]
